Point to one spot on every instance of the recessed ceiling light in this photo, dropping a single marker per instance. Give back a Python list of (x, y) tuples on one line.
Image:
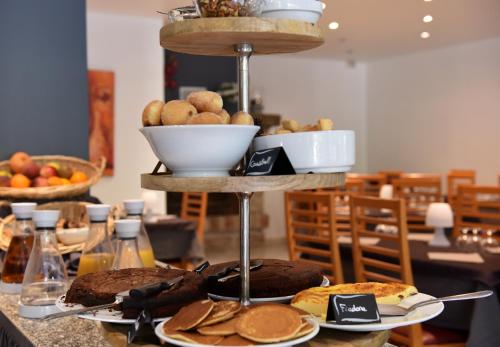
[(427, 0), (333, 25), (427, 19), (425, 35), (323, 5)]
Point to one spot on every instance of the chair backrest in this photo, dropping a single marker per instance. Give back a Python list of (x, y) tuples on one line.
[(418, 192), (312, 233), (194, 208), (457, 178), (371, 182), (391, 175), (477, 207), (388, 261)]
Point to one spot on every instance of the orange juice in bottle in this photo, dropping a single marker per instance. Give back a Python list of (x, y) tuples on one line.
[(134, 209)]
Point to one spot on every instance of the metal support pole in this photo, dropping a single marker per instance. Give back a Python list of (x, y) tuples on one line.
[(244, 199), (244, 51)]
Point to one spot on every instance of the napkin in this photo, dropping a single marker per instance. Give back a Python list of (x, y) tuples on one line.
[(368, 241), (458, 257), (420, 237)]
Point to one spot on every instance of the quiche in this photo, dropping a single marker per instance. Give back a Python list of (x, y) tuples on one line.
[(315, 300)]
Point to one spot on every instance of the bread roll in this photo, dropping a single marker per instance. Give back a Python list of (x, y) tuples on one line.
[(151, 115), (292, 125), (309, 127), (283, 131), (206, 101), (205, 118), (325, 124), (177, 112), (242, 118), (224, 116)]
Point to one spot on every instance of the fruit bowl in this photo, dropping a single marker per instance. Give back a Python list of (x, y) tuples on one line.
[(200, 150), (314, 151)]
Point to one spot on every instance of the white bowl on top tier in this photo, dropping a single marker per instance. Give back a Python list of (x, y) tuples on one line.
[(200, 150), (302, 10), (314, 151)]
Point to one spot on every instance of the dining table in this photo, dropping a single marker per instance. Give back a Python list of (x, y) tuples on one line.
[(480, 318)]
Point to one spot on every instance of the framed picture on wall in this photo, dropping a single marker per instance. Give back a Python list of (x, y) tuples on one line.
[(101, 118), (185, 90)]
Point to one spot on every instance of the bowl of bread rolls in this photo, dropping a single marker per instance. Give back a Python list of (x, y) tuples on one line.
[(196, 137), (312, 148)]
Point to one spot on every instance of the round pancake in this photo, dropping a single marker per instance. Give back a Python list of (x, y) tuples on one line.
[(235, 340), (195, 338), (305, 328), (269, 323), (225, 328), (189, 316), (223, 310)]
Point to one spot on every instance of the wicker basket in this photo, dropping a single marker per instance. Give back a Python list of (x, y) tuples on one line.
[(93, 172)]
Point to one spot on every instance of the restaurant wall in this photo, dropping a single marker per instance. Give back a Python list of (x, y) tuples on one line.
[(305, 90), (129, 47), (436, 110)]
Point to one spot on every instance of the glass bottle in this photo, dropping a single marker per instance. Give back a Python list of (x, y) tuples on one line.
[(134, 209), (98, 253), (127, 255), (19, 249), (45, 278)]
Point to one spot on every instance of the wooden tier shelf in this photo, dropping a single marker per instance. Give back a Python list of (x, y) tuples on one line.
[(218, 36), (241, 184)]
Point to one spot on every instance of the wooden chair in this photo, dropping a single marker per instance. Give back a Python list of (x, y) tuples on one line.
[(194, 208), (389, 262), (477, 207), (418, 192), (391, 175), (456, 178), (312, 231), (371, 182)]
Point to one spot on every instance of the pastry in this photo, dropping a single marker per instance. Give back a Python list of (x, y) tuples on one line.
[(151, 116), (222, 311), (325, 124), (315, 300), (177, 112), (242, 118), (283, 131), (269, 323), (224, 116), (291, 125), (206, 101), (274, 278), (224, 328), (189, 316), (205, 118)]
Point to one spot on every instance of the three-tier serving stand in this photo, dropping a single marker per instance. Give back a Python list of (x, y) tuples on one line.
[(241, 37)]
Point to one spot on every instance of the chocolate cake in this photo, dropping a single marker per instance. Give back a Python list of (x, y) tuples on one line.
[(275, 278), (101, 287)]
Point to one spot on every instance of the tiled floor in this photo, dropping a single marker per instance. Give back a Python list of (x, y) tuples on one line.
[(226, 250)]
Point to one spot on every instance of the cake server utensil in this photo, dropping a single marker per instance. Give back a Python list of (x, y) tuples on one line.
[(118, 300), (394, 310), (254, 264)]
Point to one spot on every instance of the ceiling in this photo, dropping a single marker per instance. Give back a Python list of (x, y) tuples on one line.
[(369, 29)]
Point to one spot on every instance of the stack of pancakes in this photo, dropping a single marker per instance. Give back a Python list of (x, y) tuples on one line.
[(225, 323)]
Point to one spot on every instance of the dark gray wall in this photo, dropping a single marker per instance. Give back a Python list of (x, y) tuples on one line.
[(43, 77)]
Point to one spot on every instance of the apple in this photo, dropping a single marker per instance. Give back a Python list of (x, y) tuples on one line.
[(55, 165), (4, 181), (40, 182), (18, 161), (47, 171), (65, 171), (31, 170), (5, 173)]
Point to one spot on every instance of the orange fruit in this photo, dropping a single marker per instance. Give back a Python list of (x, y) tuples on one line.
[(20, 181), (78, 177), (64, 181), (54, 181)]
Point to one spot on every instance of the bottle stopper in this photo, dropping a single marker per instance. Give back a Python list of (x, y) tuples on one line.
[(98, 212), (127, 228), (23, 210), (45, 218), (134, 206)]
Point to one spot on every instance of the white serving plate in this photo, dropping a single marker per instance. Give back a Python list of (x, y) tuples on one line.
[(277, 299), (420, 315), (200, 150), (302, 10), (163, 337), (314, 151), (106, 315)]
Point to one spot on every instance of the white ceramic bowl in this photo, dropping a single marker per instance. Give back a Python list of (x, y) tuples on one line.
[(200, 150), (314, 151), (303, 10), (72, 236)]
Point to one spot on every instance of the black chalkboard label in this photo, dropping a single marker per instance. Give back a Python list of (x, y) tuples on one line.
[(269, 162), (353, 309)]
